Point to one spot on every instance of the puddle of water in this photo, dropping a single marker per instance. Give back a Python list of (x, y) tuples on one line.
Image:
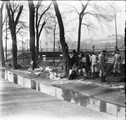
[(67, 95)]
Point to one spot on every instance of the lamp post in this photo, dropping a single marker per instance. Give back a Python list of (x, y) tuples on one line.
[(46, 43), (115, 18), (116, 47), (40, 47), (54, 32), (22, 50), (93, 48), (27, 45), (54, 43), (6, 42)]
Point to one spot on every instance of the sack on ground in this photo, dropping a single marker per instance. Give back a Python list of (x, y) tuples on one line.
[(72, 75)]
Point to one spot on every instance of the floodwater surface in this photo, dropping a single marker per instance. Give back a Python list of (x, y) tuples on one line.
[(67, 95)]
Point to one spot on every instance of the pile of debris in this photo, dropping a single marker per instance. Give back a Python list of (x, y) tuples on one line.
[(47, 72)]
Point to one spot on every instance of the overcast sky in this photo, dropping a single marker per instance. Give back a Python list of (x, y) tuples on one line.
[(99, 34), (121, 16), (108, 30)]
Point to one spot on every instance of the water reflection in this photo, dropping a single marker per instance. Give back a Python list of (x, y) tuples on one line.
[(20, 80), (10, 76), (75, 97), (84, 101), (15, 78), (33, 84), (27, 83), (48, 89), (2, 73), (67, 95), (103, 106)]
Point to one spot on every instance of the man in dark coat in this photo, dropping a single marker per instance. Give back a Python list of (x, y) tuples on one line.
[(88, 63)]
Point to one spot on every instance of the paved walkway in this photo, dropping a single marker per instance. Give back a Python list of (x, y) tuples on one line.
[(19, 103)]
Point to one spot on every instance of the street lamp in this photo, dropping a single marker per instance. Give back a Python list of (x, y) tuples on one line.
[(6, 41), (27, 45), (115, 12), (116, 47), (46, 43), (54, 42), (40, 47), (22, 49)]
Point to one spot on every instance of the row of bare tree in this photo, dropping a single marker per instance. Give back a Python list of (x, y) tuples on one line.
[(36, 25)]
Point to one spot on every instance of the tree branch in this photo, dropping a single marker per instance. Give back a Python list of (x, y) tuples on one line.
[(15, 9), (9, 5), (5, 19), (75, 9), (39, 4), (19, 29), (41, 28), (85, 24), (36, 17), (71, 20), (44, 13), (84, 8), (5, 29), (9, 15), (18, 15)]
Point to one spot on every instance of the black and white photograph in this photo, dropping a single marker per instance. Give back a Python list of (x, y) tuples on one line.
[(62, 59)]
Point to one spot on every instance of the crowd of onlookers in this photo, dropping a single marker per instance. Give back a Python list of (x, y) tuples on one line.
[(92, 64)]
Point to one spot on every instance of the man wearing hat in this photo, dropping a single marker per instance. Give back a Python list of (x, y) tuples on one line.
[(117, 62), (102, 65)]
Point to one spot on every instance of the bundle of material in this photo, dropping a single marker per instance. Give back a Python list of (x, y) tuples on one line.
[(48, 72)]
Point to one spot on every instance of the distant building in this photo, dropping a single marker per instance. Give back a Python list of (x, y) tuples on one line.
[(109, 42), (112, 38)]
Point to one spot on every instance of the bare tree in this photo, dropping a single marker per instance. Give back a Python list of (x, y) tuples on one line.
[(81, 14), (66, 59), (32, 32), (51, 25), (98, 13), (21, 26), (2, 63), (39, 24), (14, 11)]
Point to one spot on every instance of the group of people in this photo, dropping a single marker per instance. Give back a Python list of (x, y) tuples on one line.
[(90, 64)]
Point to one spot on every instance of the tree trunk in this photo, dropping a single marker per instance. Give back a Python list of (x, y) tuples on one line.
[(13, 21), (66, 60), (6, 43), (32, 32), (81, 14), (79, 33), (2, 63), (37, 44), (37, 34), (14, 45), (54, 44), (38, 27), (14, 50)]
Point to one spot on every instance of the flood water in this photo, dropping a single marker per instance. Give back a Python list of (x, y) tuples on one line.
[(67, 95)]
